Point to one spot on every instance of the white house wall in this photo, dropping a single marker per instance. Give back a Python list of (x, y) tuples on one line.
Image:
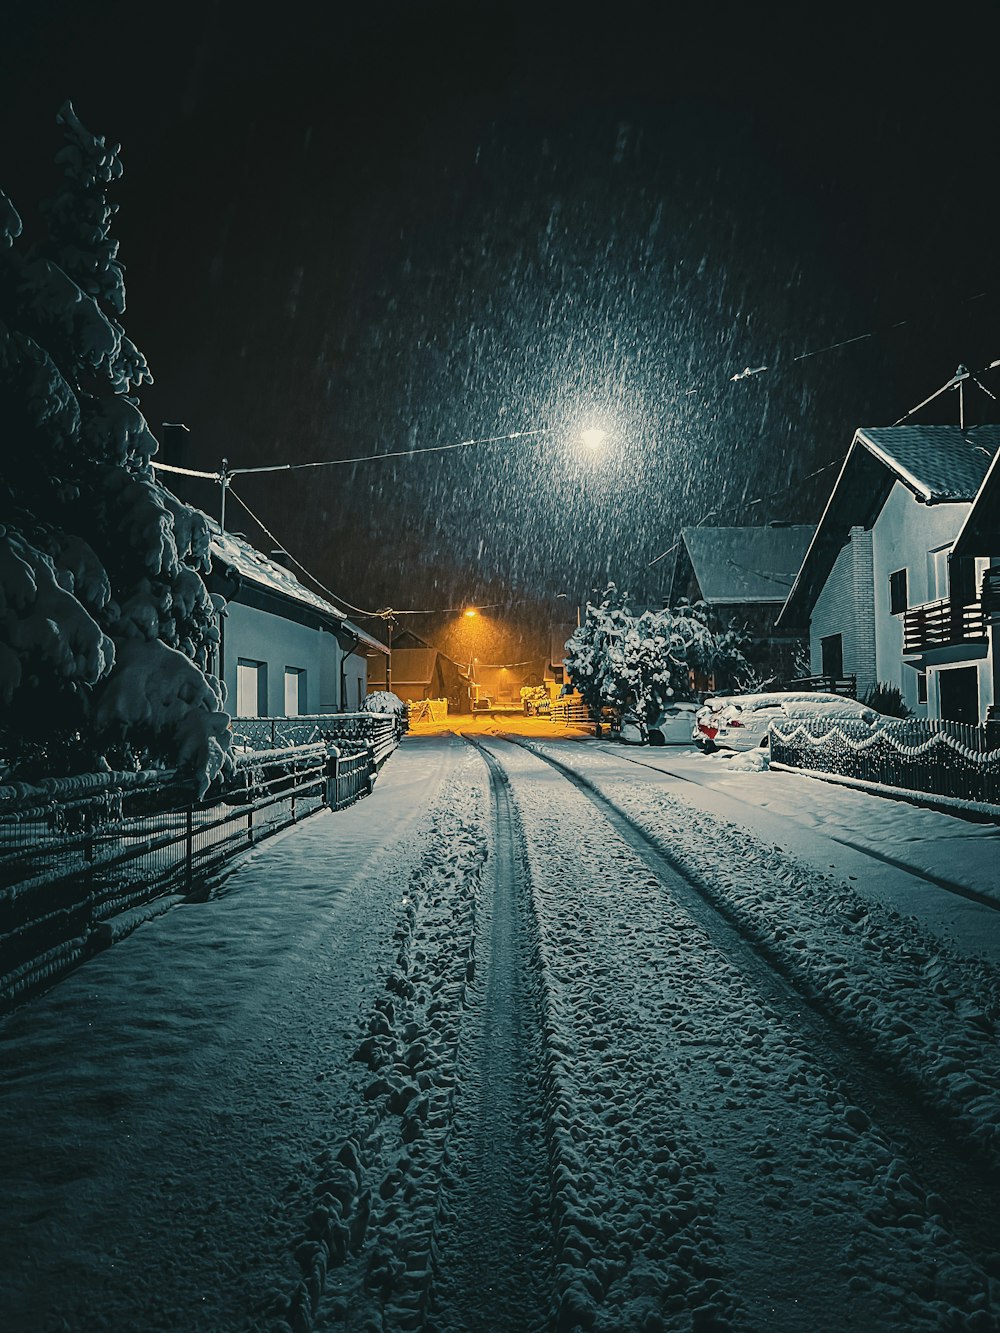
[(845, 607), (904, 532), (355, 682), (261, 636)]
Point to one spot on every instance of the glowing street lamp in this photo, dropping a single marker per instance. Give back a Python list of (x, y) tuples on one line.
[(471, 612), (593, 438)]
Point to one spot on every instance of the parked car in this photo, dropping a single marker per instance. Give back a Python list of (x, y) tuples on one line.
[(672, 727), (741, 721)]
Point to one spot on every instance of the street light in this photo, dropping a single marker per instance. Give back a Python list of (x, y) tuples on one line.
[(593, 438)]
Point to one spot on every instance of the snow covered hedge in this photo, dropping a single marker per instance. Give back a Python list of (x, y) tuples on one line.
[(107, 631), (641, 663)]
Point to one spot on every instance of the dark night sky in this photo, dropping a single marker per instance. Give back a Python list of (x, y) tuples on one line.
[(349, 231)]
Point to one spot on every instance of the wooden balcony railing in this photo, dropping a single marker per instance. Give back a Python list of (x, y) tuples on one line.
[(942, 624), (845, 685)]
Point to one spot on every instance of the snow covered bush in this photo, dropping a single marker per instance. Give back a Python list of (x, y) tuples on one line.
[(641, 663), (107, 631), (384, 701), (887, 699)]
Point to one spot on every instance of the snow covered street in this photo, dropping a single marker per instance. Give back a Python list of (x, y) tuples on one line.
[(545, 1033)]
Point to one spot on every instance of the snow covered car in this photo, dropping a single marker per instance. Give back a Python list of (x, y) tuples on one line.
[(672, 727), (741, 721)]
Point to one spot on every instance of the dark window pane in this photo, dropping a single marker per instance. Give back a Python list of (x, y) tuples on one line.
[(897, 592)]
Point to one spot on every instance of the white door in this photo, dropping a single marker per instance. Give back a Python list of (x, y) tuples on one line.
[(248, 688), (294, 679)]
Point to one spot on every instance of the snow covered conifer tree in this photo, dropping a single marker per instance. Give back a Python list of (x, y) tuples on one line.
[(106, 626)]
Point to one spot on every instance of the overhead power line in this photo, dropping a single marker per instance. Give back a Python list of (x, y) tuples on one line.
[(277, 541), (385, 612), (226, 472)]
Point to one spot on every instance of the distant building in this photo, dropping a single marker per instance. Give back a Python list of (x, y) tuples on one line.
[(883, 591), (285, 651), (502, 684), (744, 576), (419, 671)]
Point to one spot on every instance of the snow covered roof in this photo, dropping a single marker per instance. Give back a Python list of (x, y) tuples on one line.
[(254, 567), (410, 666), (756, 564), (939, 464)]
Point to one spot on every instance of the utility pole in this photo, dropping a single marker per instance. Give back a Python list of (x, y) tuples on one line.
[(224, 476), (389, 622)]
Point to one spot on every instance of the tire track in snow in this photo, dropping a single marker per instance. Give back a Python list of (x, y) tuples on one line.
[(492, 1265), (911, 1010), (830, 1198), (938, 881), (635, 1243)]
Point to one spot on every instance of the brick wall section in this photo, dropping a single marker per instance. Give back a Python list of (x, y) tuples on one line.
[(864, 661), (846, 606)]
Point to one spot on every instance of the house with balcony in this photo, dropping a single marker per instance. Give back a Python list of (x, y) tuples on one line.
[(882, 592), (284, 650)]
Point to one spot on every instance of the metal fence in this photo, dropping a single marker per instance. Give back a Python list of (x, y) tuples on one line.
[(933, 757), (77, 853), (349, 731)]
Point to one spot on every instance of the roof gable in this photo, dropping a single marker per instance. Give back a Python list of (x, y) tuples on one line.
[(756, 564), (413, 666)]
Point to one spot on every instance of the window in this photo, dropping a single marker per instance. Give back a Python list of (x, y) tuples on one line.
[(897, 592), (921, 687), (295, 692), (251, 688), (832, 650)]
